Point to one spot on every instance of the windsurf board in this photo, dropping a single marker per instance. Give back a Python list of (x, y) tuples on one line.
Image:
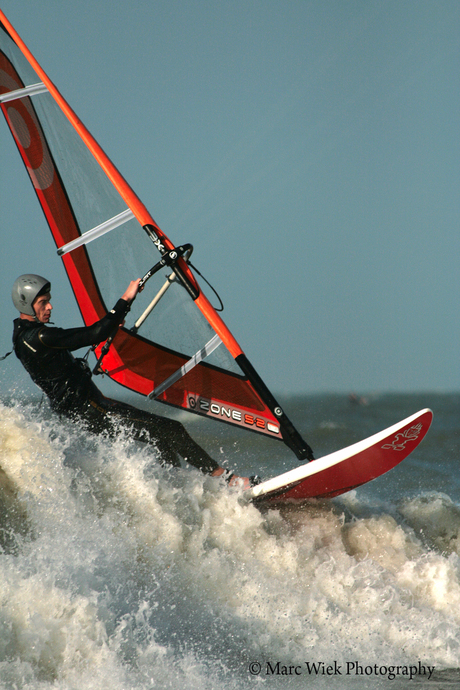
[(348, 468)]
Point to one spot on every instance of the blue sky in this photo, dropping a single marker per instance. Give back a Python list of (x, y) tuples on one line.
[(308, 149)]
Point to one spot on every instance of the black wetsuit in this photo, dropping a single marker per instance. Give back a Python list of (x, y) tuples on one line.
[(45, 352)]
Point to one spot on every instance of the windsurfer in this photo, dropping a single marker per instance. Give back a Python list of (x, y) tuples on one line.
[(45, 353)]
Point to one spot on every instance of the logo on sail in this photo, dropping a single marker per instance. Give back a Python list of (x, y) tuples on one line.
[(225, 412), (402, 438)]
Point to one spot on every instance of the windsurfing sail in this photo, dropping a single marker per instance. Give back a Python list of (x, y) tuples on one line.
[(174, 346)]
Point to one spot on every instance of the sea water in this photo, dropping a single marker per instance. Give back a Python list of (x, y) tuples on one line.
[(117, 572)]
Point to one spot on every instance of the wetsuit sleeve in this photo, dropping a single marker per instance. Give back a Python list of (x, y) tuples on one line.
[(74, 338)]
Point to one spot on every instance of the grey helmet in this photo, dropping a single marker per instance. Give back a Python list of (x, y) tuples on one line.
[(26, 289)]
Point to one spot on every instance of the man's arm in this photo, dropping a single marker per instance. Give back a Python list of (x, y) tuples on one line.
[(75, 338)]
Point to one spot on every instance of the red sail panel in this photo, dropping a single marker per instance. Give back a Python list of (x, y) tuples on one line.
[(34, 151), (205, 390)]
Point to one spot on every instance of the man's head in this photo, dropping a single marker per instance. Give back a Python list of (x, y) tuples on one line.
[(31, 297)]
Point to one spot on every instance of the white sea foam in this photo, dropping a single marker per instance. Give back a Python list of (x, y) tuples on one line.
[(119, 573)]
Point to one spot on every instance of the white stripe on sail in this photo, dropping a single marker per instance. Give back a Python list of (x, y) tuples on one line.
[(99, 230), (210, 346), (32, 90)]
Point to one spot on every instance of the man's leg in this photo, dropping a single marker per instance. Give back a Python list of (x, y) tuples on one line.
[(167, 435)]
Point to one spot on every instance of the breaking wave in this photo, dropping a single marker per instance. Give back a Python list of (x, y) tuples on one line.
[(118, 572)]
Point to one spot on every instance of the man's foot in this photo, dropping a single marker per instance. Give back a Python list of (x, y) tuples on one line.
[(235, 480)]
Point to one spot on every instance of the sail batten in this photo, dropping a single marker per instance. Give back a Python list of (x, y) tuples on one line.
[(32, 90), (96, 232), (188, 366)]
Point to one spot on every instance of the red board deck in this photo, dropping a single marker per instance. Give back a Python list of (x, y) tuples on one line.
[(349, 467)]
